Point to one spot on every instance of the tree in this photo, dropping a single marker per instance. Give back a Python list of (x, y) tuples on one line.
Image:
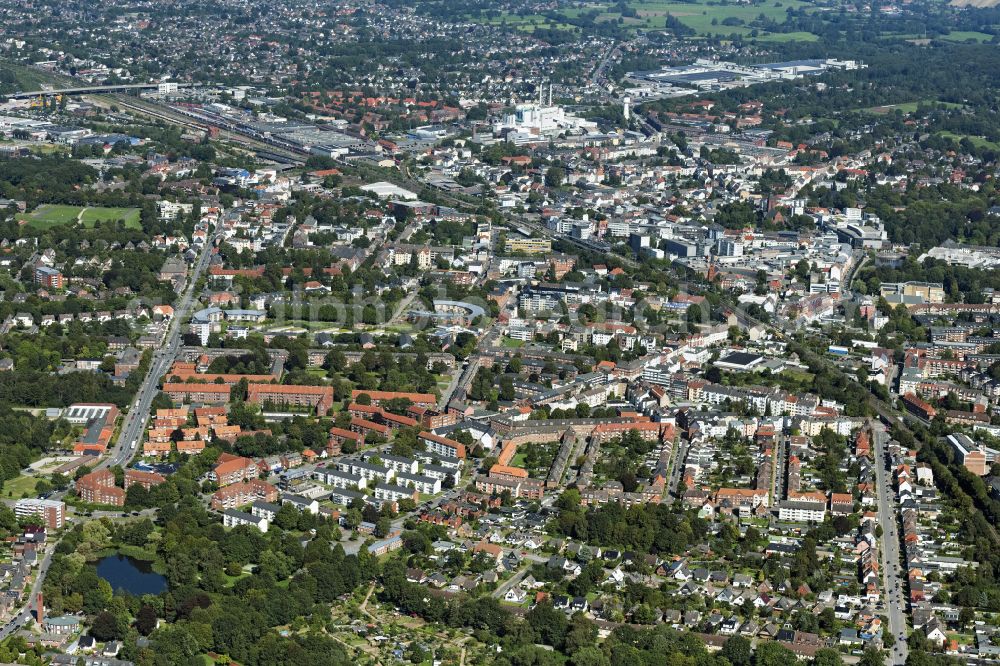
[(549, 623), (287, 517), (555, 176), (589, 656), (772, 654), (695, 315), (382, 527), (871, 657), (827, 657), (738, 651), (802, 270), (145, 620), (105, 627), (582, 633)]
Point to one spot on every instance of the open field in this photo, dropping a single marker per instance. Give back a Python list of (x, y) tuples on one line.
[(965, 35), (22, 486), (909, 107), (19, 77), (704, 18), (783, 37), (977, 141), (954, 36), (36, 148), (47, 216), (699, 15)]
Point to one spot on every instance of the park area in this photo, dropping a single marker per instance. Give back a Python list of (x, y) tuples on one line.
[(47, 216)]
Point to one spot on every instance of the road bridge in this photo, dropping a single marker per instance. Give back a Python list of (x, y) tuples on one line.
[(87, 90)]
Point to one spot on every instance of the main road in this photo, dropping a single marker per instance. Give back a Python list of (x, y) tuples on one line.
[(891, 566), (134, 423), (163, 358), (24, 614)]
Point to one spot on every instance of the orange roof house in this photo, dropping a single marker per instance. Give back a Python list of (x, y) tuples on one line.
[(503, 471), (377, 397), (156, 449), (318, 397), (191, 447)]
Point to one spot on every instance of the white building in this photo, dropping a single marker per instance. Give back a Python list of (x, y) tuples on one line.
[(340, 479), (366, 470), (392, 493), (425, 485), (233, 518), (801, 511), (398, 464)]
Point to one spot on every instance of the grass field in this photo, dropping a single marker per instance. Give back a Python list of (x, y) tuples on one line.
[(511, 343), (909, 107), (652, 15), (784, 37), (977, 141), (699, 15), (47, 216), (22, 486), (954, 36), (965, 35), (28, 78), (37, 148)]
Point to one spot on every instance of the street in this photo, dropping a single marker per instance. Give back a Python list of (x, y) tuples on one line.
[(677, 471), (135, 421), (893, 589), (134, 424), (24, 614)]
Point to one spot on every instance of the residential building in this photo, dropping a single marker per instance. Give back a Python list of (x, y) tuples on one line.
[(99, 487), (234, 518), (52, 512)]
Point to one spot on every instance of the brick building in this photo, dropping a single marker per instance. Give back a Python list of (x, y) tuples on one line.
[(243, 493), (99, 487), (230, 469), (206, 394), (319, 398), (50, 278), (145, 479)]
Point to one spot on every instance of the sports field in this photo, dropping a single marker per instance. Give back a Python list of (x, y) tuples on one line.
[(47, 216)]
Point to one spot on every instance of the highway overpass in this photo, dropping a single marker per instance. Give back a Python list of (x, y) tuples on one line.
[(85, 90)]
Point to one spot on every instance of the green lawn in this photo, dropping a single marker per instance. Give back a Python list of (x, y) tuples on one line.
[(784, 37), (28, 78), (977, 141), (909, 107), (511, 343), (652, 15), (22, 486), (699, 16), (47, 216), (965, 35), (130, 216), (38, 148)]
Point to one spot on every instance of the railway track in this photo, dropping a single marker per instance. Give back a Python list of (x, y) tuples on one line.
[(261, 148), (270, 149)]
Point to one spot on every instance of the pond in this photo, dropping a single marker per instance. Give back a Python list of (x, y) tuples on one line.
[(134, 576)]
